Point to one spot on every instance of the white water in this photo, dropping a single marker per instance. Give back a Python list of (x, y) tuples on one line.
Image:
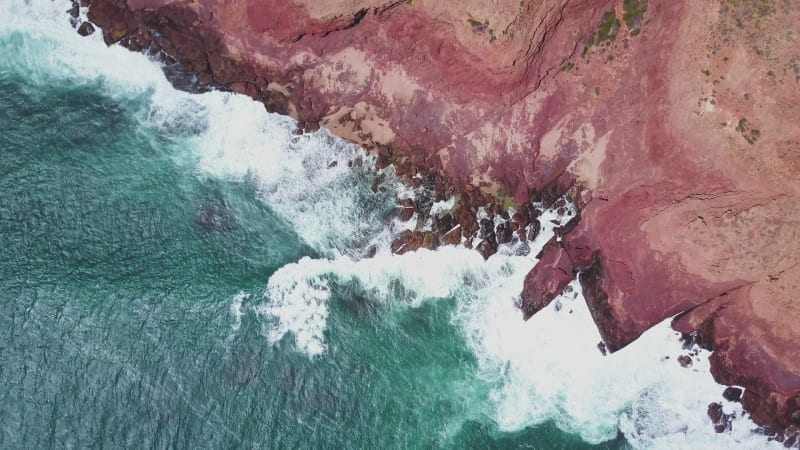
[(546, 368)]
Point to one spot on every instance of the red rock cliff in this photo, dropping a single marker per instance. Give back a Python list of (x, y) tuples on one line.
[(675, 126)]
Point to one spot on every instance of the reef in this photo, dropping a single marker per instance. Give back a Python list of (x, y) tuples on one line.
[(671, 125)]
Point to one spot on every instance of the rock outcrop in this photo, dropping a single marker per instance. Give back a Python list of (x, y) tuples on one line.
[(673, 125)]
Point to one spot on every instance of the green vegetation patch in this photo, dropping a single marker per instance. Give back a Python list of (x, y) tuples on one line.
[(606, 32), (749, 133), (482, 27), (633, 13)]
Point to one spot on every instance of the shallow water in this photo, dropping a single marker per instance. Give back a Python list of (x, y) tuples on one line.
[(183, 271)]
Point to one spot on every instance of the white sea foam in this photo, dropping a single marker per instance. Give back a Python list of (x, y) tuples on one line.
[(548, 368), (306, 179), (236, 309)]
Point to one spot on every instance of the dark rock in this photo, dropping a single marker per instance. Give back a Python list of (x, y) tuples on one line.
[(533, 231), (721, 421), (504, 233), (792, 437), (74, 11), (400, 241), (796, 418), (522, 249), (333, 164), (688, 340), (487, 248), (452, 237), (685, 360), (86, 29), (602, 347), (467, 220), (569, 226), (443, 224), (532, 212), (408, 241), (521, 218), (408, 210), (487, 228), (732, 394)]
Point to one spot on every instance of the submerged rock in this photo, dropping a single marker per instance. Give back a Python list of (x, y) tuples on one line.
[(214, 216)]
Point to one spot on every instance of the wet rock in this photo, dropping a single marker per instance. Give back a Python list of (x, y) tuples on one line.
[(74, 11), (408, 209), (795, 418), (452, 237), (720, 420), (333, 164), (400, 241), (689, 340), (792, 437), (487, 228), (685, 360), (521, 218), (732, 394), (547, 279), (466, 218), (487, 248), (602, 347), (430, 240), (443, 224), (468, 243), (408, 241), (86, 29), (504, 233), (534, 229)]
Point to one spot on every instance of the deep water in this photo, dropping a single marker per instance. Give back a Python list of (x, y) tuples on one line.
[(182, 271)]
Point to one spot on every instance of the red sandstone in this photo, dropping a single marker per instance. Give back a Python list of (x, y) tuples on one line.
[(678, 138)]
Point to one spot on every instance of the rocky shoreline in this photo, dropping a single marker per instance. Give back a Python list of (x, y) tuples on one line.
[(671, 126)]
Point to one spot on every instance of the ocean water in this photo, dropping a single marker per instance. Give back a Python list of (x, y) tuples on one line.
[(183, 271)]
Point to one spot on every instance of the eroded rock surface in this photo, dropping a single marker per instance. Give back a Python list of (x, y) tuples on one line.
[(672, 124)]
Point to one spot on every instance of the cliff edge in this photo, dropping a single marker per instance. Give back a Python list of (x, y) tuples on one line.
[(673, 125)]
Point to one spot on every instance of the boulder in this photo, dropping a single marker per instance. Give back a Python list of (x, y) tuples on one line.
[(86, 29)]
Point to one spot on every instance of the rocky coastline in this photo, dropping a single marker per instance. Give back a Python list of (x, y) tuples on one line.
[(672, 126)]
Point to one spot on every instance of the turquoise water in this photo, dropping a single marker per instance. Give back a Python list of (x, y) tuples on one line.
[(182, 271)]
